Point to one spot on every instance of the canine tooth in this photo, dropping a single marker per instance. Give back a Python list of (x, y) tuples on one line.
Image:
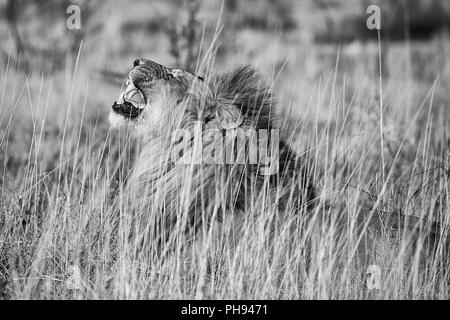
[(136, 98), (131, 94), (121, 99)]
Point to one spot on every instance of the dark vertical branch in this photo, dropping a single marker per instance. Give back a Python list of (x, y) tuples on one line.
[(184, 38), (174, 43), (11, 17), (191, 35), (11, 12)]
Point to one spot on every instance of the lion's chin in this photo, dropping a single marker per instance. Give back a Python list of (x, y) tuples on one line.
[(138, 129), (116, 120)]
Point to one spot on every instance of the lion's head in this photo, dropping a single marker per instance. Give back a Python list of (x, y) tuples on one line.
[(149, 90), (155, 96), (236, 113)]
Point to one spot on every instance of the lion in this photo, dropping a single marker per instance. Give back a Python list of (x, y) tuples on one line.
[(183, 180), (173, 112)]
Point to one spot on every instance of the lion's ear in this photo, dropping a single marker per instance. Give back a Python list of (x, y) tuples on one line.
[(229, 117)]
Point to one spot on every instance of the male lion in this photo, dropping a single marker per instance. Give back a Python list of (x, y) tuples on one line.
[(192, 168), (192, 171)]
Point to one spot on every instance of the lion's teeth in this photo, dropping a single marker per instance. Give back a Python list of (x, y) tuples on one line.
[(121, 99), (131, 94), (136, 98)]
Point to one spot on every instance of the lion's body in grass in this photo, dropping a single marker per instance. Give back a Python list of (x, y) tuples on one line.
[(173, 189)]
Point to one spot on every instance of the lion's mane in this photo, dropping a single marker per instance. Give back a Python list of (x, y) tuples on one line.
[(167, 195)]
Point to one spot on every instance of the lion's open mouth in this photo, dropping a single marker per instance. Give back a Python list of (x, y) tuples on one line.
[(126, 109), (130, 103)]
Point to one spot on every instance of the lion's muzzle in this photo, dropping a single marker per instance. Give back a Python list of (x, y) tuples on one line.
[(126, 109), (130, 103)]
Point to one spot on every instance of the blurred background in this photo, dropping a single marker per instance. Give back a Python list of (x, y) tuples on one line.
[(319, 55), (57, 86), (302, 39), (311, 51), (116, 30)]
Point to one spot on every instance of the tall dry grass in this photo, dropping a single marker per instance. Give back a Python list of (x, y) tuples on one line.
[(63, 176)]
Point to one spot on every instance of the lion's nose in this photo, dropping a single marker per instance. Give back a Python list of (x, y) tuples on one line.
[(136, 63)]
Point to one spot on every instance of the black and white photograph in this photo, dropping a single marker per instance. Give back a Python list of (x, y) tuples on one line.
[(224, 153)]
